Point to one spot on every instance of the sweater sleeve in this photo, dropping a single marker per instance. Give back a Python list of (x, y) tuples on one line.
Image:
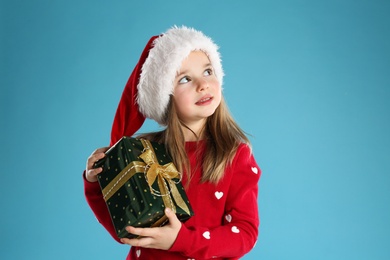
[(96, 202), (238, 231)]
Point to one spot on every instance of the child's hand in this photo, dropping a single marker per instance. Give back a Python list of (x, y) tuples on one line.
[(90, 172), (156, 237)]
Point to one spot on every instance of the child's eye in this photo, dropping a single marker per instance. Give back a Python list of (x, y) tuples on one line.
[(184, 80), (208, 72)]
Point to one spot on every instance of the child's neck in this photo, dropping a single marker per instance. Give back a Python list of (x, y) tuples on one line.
[(190, 137), (193, 132)]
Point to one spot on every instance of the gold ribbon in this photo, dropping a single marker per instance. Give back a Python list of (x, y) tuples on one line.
[(153, 170), (164, 174), (129, 171)]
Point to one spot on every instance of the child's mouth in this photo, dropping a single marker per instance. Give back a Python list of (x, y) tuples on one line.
[(204, 101)]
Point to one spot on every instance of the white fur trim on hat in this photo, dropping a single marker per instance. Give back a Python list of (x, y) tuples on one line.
[(164, 61)]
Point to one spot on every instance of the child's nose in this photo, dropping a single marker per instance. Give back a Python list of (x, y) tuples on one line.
[(202, 84)]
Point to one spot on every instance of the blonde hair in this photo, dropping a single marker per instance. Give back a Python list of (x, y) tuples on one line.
[(221, 133)]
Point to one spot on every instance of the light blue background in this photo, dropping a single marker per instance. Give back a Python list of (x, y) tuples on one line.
[(309, 80)]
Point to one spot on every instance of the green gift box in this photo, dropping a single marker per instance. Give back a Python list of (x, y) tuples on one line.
[(138, 181)]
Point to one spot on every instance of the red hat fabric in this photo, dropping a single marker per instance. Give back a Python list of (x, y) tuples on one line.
[(128, 119)]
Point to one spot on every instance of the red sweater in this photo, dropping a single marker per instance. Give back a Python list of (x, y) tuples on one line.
[(226, 220)]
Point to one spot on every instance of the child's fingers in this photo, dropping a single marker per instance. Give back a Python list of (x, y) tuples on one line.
[(93, 159), (94, 172), (91, 174), (95, 156), (139, 242), (142, 232), (173, 220)]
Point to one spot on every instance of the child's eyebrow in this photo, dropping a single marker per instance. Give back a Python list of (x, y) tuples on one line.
[(207, 65), (178, 74)]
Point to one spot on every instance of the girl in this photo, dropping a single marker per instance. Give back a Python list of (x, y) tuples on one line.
[(178, 83)]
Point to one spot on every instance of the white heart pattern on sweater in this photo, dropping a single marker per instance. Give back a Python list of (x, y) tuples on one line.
[(218, 194), (206, 235), (235, 230), (138, 252), (255, 170), (228, 217)]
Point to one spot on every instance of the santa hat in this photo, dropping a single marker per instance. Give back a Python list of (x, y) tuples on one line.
[(148, 90)]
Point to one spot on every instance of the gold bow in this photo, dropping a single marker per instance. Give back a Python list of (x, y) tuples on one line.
[(164, 175)]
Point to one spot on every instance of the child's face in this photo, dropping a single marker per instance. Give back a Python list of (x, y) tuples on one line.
[(197, 92)]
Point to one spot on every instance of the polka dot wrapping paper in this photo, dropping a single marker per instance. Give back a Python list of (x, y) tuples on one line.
[(138, 181)]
